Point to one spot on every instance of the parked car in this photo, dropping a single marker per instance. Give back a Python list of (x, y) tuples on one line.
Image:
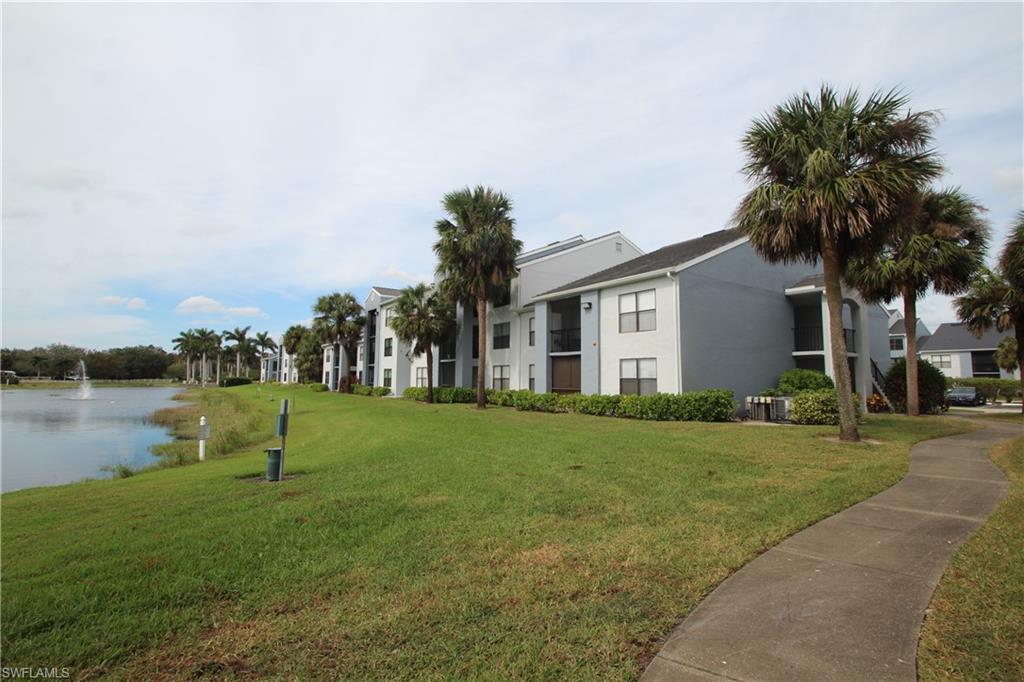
[(965, 395)]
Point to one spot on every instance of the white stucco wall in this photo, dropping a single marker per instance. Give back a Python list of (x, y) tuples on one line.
[(549, 272), (661, 344)]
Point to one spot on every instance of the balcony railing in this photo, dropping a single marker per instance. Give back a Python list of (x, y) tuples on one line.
[(813, 339), (565, 340)]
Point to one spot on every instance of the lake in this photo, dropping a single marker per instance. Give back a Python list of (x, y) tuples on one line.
[(49, 437)]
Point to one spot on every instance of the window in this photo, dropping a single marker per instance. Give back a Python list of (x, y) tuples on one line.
[(983, 364), (476, 341), (387, 347), (618, 247), (638, 376), (501, 334), (499, 377), (388, 315), (941, 361), (637, 312), (387, 378), (473, 376), (421, 377), (895, 343), (533, 336), (505, 297), (531, 378)]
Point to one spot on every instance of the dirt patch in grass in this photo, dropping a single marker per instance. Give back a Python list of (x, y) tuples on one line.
[(545, 555)]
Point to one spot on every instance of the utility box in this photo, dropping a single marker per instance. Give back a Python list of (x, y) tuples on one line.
[(273, 464), (282, 425)]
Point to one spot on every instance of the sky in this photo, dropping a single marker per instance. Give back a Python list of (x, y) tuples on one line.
[(168, 166)]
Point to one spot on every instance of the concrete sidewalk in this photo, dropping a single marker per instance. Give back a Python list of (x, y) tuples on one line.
[(844, 599)]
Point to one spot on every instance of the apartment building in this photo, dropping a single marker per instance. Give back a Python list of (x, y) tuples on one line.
[(959, 353)]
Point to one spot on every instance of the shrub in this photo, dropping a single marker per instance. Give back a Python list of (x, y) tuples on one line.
[(227, 382), (598, 405), (380, 391), (795, 380), (770, 393), (318, 388), (360, 389), (931, 386), (415, 393), (876, 403), (992, 389), (499, 397), (819, 407), (535, 402)]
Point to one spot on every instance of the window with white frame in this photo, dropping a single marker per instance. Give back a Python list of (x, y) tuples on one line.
[(389, 314), (499, 377), (531, 378), (387, 347), (638, 376), (387, 378), (942, 361), (502, 334), (421, 377), (895, 343), (637, 311), (533, 335)]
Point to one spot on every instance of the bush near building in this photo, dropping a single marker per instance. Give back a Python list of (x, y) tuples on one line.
[(713, 405), (931, 386), (993, 389), (819, 407)]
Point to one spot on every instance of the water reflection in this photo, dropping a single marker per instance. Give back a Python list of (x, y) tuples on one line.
[(48, 438)]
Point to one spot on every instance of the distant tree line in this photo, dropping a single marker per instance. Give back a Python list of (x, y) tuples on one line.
[(60, 361)]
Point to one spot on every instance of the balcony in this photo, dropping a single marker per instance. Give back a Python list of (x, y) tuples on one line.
[(813, 339), (566, 340)]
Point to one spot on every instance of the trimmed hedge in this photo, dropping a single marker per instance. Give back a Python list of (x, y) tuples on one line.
[(992, 389), (931, 387), (374, 391), (714, 405), (795, 380), (318, 388), (227, 382), (820, 407)]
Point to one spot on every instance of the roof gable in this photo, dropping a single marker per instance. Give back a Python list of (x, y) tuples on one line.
[(956, 336)]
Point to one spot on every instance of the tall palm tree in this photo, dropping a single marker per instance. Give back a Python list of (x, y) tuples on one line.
[(240, 337), (219, 352), (293, 337), (996, 298), (939, 241), (338, 319), (423, 319), (476, 250), (185, 343), (207, 342), (829, 172), (266, 344)]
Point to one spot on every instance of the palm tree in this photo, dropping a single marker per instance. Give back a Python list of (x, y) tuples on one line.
[(219, 352), (207, 342), (38, 361), (185, 343), (239, 337), (996, 298), (476, 250), (939, 241), (266, 344), (829, 172), (1006, 355), (423, 319), (338, 319), (291, 341)]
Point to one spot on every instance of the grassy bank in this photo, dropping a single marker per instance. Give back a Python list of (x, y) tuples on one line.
[(975, 627), (235, 422), (419, 541)]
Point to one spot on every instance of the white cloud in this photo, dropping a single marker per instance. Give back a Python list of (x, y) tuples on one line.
[(134, 303), (206, 306), (392, 273)]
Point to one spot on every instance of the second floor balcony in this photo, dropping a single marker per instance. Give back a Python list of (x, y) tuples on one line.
[(813, 339), (566, 340)]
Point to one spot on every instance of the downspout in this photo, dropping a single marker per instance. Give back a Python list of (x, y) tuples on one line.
[(679, 329)]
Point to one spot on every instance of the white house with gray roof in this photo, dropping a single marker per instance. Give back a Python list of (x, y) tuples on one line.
[(959, 353)]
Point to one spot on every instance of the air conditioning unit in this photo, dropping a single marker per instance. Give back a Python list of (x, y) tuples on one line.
[(783, 408), (769, 409)]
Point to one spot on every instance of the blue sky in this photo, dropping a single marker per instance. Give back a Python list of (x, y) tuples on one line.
[(177, 165)]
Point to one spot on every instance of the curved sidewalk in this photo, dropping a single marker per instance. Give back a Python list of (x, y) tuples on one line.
[(844, 599)]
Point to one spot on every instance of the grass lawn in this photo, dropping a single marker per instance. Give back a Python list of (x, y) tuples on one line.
[(419, 541), (975, 628)]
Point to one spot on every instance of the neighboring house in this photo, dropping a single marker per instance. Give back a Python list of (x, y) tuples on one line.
[(898, 334), (959, 353), (279, 367), (704, 313)]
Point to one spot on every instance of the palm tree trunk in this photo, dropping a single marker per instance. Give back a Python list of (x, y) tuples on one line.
[(188, 369), (1018, 333), (481, 344), (910, 323), (837, 341), (218, 369), (430, 373), (203, 370), (238, 364)]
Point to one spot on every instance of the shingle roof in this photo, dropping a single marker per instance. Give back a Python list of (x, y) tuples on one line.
[(816, 280), (388, 291), (956, 336), (664, 258)]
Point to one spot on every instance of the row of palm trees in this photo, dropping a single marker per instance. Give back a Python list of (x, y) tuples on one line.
[(202, 344), (848, 182)]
